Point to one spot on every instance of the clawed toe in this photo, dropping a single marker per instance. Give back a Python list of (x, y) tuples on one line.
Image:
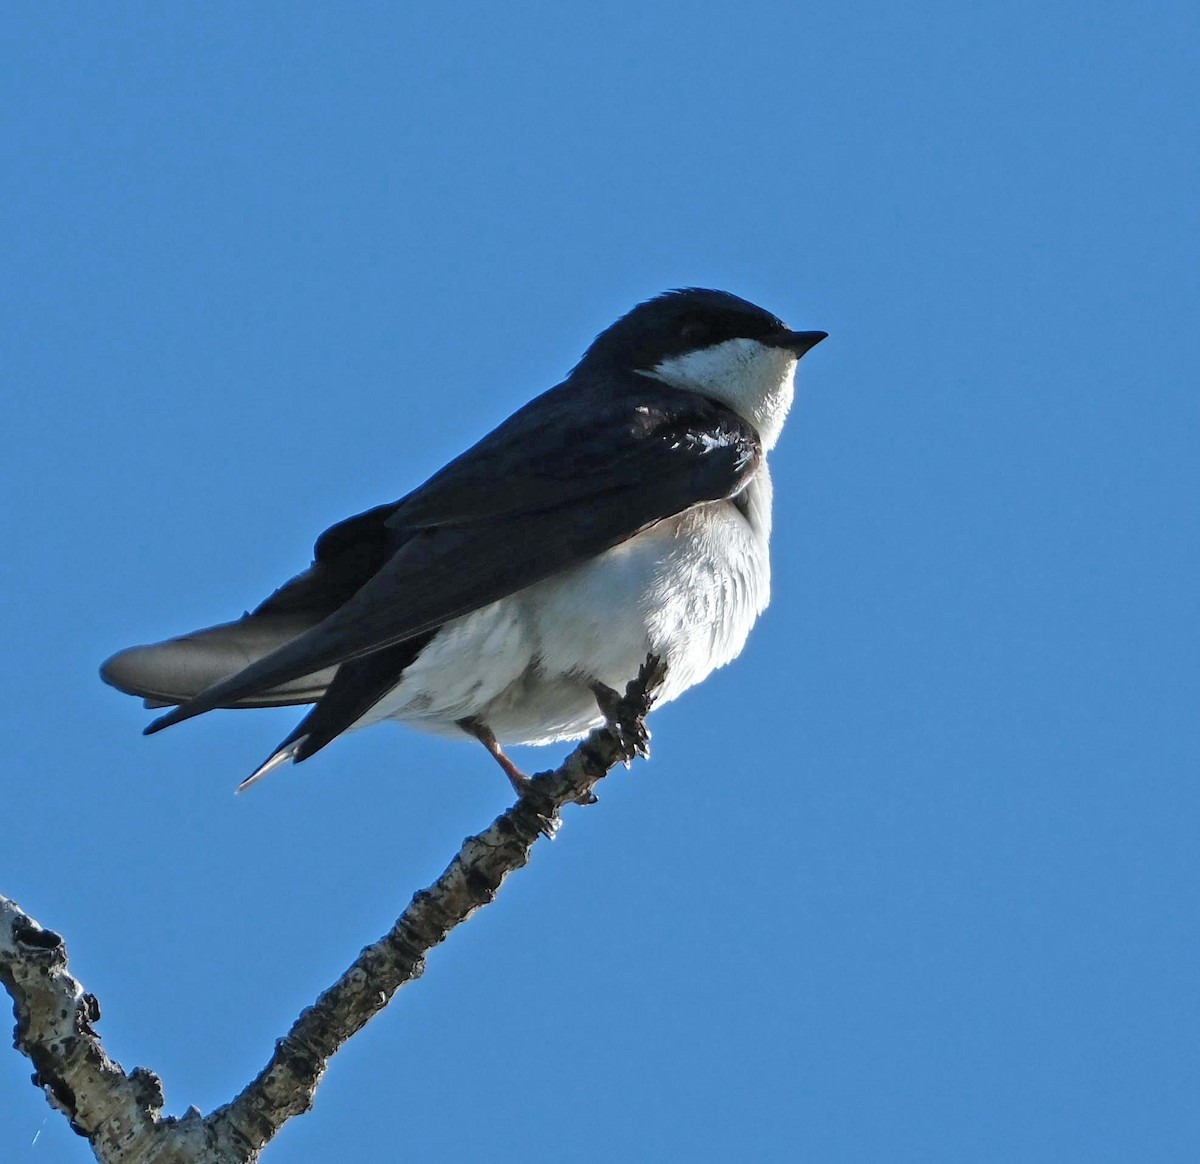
[(636, 739), (625, 722)]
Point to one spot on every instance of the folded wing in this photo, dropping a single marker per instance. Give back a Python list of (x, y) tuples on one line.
[(567, 477)]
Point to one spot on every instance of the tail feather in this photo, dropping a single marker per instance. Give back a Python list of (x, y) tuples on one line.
[(171, 672), (285, 752), (358, 686)]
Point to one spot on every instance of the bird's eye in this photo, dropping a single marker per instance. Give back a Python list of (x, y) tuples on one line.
[(694, 331)]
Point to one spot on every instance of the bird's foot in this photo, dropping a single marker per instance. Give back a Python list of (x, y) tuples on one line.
[(522, 784), (626, 721)]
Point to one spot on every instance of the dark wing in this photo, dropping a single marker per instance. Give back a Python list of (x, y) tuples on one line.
[(570, 475), (356, 687)]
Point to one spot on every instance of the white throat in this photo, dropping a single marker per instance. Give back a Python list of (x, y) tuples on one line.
[(758, 382)]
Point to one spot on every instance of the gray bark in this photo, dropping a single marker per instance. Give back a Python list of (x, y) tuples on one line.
[(120, 1113)]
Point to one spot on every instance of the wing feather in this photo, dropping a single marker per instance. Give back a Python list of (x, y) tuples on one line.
[(572, 474)]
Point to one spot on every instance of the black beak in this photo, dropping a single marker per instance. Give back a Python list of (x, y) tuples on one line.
[(797, 342)]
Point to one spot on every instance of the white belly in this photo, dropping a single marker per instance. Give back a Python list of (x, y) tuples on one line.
[(688, 589)]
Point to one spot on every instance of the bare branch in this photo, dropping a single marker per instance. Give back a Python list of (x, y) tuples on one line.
[(121, 1115)]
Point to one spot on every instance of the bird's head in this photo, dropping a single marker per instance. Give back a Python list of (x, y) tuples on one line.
[(713, 343)]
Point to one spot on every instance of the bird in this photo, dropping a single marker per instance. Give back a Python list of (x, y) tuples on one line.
[(624, 513)]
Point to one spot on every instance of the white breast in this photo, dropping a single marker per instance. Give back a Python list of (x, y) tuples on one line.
[(688, 589)]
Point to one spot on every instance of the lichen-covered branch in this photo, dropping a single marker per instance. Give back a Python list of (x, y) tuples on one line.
[(54, 1029), (121, 1114)]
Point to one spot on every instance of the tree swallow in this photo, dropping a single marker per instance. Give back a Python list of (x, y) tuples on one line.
[(625, 512)]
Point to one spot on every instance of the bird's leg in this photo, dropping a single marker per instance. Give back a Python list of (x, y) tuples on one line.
[(631, 730), (477, 728)]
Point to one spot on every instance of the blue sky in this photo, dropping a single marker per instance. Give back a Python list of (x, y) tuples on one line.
[(915, 878)]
